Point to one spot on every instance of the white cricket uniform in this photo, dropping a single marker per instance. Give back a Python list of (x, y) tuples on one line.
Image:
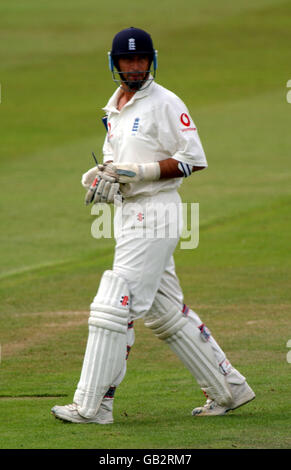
[(153, 126)]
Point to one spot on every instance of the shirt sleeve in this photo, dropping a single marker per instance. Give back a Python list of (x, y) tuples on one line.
[(178, 133)]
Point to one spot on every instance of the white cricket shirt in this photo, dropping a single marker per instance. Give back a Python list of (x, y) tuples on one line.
[(154, 125)]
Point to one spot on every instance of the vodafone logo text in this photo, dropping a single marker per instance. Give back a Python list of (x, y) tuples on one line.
[(185, 120)]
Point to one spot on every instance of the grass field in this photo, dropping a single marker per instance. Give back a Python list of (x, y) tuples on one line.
[(230, 63)]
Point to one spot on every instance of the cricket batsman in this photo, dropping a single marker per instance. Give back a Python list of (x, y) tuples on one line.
[(151, 144)]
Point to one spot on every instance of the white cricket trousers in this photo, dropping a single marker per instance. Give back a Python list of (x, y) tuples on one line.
[(147, 230)]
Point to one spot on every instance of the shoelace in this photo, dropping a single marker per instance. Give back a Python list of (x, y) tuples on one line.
[(72, 407), (209, 404)]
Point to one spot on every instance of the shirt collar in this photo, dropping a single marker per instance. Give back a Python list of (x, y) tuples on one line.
[(111, 106)]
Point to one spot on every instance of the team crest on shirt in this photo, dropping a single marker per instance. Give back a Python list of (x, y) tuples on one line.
[(135, 126)]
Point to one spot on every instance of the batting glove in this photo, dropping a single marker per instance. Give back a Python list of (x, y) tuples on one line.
[(89, 177), (133, 172), (103, 189)]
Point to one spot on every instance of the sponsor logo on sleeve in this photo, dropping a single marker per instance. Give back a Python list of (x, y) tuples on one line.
[(186, 121)]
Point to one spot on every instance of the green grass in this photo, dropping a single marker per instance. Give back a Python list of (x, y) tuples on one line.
[(230, 62)]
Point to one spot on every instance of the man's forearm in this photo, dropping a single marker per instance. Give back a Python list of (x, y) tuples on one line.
[(154, 171), (169, 169)]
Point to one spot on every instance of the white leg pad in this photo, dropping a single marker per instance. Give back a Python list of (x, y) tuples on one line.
[(232, 375), (106, 345), (185, 339)]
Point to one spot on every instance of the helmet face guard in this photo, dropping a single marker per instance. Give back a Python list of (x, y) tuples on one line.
[(147, 76), (132, 41)]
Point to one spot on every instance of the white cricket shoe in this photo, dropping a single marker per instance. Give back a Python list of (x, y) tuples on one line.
[(70, 413), (241, 394)]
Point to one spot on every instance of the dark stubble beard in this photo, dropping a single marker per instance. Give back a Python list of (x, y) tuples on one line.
[(135, 85)]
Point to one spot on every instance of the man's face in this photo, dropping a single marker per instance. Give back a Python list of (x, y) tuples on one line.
[(134, 70)]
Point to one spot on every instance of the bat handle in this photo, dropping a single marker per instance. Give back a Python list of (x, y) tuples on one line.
[(96, 161)]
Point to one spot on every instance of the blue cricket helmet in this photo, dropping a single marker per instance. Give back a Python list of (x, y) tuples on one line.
[(132, 41)]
